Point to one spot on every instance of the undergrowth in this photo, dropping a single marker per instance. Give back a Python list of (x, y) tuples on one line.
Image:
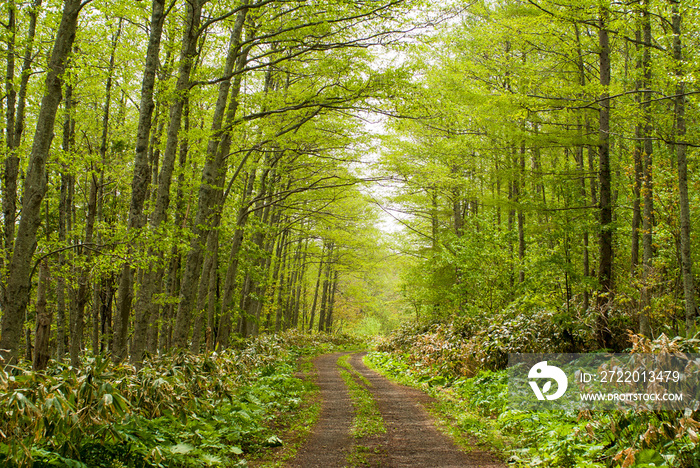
[(178, 410), (478, 405)]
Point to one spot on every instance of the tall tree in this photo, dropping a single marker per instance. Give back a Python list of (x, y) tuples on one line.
[(605, 237), (680, 148), (139, 184), (18, 280)]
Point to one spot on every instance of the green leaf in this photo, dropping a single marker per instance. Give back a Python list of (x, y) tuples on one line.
[(211, 460), (181, 448)]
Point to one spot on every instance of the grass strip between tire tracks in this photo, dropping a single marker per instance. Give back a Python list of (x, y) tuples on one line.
[(368, 422), (469, 430)]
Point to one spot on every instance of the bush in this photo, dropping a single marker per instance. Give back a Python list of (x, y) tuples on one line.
[(465, 346)]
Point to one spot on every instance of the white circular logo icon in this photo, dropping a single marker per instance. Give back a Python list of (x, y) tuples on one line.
[(542, 371)]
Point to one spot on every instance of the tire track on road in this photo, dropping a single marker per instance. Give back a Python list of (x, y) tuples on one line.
[(330, 441), (412, 439)]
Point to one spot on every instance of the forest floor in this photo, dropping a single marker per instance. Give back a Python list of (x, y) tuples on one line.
[(368, 421)]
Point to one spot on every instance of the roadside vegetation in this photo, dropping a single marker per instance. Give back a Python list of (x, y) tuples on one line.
[(472, 402), (180, 410)]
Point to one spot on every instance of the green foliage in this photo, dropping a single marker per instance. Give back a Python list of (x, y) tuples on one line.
[(464, 346), (178, 410), (478, 405)]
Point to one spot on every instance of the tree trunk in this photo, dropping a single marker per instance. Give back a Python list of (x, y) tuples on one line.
[(318, 282), (213, 175), (254, 300), (326, 289), (24, 79), (638, 169), (10, 91), (581, 167), (11, 160), (63, 222), (648, 183), (213, 292), (83, 284), (585, 235), (331, 302), (324, 301), (139, 183), (680, 148), (18, 280), (294, 276), (232, 271), (278, 281), (205, 279), (521, 216), (605, 240), (300, 287), (43, 321)]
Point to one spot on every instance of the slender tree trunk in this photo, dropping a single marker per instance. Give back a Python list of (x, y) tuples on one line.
[(434, 219), (232, 270), (648, 183), (331, 302), (605, 266), (638, 168), (512, 198), (11, 160), (24, 79), (326, 289), (324, 301), (213, 293), (581, 167), (106, 299), (680, 148), (521, 215), (248, 323), (260, 240), (318, 282), (10, 91), (300, 284), (63, 221), (294, 276), (43, 321), (68, 189), (18, 280), (83, 284), (213, 175), (279, 280), (139, 183), (175, 264), (205, 284), (585, 235)]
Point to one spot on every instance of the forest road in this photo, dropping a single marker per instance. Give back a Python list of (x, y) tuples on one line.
[(411, 438)]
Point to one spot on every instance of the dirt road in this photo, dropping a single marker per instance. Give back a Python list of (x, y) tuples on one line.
[(410, 438)]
